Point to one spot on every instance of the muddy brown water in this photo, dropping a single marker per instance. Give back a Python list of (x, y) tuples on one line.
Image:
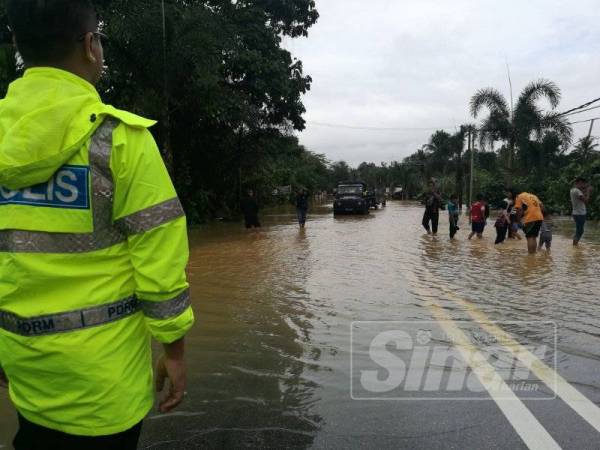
[(269, 355)]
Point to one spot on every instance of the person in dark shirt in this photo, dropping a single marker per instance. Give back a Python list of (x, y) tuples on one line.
[(513, 229), (502, 223), (301, 207), (433, 202), (249, 208)]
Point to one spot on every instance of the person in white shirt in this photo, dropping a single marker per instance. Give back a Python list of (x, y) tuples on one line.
[(580, 197)]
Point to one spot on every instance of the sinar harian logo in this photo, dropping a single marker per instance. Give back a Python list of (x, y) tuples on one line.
[(419, 360), (68, 188)]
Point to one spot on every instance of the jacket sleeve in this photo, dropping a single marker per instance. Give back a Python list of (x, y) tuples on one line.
[(147, 209)]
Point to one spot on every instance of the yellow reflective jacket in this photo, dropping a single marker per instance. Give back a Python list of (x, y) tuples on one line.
[(93, 250)]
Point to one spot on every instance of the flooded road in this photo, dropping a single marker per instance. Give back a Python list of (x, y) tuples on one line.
[(280, 313)]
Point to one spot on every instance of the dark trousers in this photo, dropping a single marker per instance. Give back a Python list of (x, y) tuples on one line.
[(579, 227), (434, 218), (252, 221), (501, 234), (453, 226), (35, 437), (301, 213)]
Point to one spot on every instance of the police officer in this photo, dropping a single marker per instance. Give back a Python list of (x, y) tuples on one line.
[(93, 245)]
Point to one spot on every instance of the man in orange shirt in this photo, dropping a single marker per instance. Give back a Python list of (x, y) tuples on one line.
[(530, 211)]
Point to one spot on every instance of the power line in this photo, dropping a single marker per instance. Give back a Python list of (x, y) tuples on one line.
[(582, 111), (584, 121), (577, 110), (585, 105), (355, 127)]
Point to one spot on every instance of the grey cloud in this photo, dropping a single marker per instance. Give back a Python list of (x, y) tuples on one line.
[(415, 63)]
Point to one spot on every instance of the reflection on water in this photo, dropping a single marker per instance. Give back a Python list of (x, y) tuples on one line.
[(269, 357), (247, 354), (508, 284)]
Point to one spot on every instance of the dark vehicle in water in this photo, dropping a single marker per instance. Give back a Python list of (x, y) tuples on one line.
[(376, 198), (351, 198)]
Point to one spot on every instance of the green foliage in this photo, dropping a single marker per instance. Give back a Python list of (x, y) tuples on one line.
[(532, 156), (555, 190), (228, 100), (516, 126), (586, 150), (8, 60), (226, 95), (339, 171)]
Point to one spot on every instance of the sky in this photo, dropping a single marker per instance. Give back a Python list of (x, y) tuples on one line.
[(413, 65)]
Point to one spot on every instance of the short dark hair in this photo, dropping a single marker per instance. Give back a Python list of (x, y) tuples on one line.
[(580, 180), (480, 196), (46, 31)]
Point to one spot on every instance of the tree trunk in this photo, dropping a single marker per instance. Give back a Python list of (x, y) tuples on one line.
[(167, 152), (511, 155), (167, 147), (472, 169)]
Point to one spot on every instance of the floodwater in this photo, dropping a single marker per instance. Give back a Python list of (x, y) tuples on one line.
[(269, 358)]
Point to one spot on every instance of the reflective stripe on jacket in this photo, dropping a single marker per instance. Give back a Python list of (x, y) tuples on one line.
[(93, 249)]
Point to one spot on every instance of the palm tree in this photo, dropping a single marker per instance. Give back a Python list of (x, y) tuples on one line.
[(517, 124), (407, 176), (585, 149), (440, 151)]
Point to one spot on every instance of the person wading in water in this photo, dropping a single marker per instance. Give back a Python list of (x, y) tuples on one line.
[(433, 203), (249, 207), (301, 207)]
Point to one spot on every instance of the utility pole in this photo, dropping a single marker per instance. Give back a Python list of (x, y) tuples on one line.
[(511, 148), (591, 127), (168, 151), (240, 137), (471, 151)]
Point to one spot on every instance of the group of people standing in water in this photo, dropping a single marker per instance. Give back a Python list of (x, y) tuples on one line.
[(519, 211)]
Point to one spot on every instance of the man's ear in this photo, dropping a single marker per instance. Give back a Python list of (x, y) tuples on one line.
[(89, 50)]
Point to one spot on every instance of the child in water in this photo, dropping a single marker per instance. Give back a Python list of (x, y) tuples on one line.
[(546, 232), (513, 229), (453, 215), (479, 213), (502, 224)]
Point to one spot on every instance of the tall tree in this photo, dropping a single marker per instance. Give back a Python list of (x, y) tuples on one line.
[(468, 131), (8, 60), (517, 124), (585, 149), (215, 74), (441, 150), (340, 171)]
